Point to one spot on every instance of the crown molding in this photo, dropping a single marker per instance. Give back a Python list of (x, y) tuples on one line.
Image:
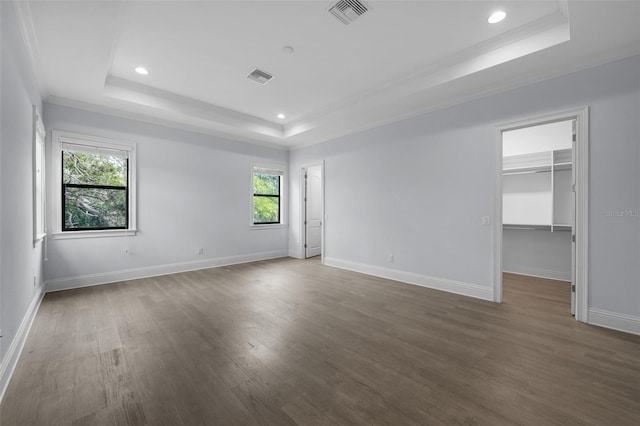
[(24, 17), (538, 35), (148, 96), (173, 124)]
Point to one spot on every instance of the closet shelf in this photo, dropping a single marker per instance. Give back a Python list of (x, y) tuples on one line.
[(537, 162), (526, 227), (540, 198), (527, 170), (562, 156)]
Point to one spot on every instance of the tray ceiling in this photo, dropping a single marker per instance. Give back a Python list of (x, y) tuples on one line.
[(399, 59)]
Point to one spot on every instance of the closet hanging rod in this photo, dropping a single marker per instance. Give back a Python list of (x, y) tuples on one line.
[(525, 172)]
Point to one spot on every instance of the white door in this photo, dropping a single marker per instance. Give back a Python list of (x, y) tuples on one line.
[(573, 221), (313, 211)]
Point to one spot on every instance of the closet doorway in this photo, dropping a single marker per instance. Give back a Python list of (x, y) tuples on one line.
[(542, 205)]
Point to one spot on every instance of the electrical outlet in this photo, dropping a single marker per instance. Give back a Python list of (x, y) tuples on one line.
[(485, 220), (390, 257), (35, 280), (200, 250)]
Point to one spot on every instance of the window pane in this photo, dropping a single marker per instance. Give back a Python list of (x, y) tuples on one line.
[(87, 208), (266, 209), (93, 169), (266, 184)]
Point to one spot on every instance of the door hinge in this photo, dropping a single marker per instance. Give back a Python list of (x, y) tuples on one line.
[(305, 246), (573, 288), (573, 187), (305, 222), (573, 238)]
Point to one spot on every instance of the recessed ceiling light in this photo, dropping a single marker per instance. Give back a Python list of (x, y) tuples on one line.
[(141, 70), (497, 17), (281, 116)]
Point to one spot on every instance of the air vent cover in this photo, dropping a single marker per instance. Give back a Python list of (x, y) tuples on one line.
[(348, 11), (260, 76)]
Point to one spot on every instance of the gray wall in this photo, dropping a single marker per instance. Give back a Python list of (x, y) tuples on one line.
[(20, 262), (538, 253), (418, 189), (193, 191)]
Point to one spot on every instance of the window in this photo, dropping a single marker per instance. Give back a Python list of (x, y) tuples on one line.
[(95, 178), (267, 200), (39, 185)]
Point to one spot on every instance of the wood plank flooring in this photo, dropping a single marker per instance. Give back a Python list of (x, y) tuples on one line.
[(288, 342)]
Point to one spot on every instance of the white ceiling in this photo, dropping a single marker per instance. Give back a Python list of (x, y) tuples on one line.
[(399, 59)]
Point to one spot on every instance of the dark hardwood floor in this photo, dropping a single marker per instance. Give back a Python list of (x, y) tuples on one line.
[(288, 342)]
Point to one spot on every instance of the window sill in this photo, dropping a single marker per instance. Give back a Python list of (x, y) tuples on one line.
[(93, 234), (268, 226), (39, 239)]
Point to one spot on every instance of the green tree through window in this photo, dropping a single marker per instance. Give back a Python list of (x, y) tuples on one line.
[(266, 198), (95, 193)]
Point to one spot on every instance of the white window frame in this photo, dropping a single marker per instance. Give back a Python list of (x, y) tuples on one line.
[(280, 169), (60, 137), (39, 180)]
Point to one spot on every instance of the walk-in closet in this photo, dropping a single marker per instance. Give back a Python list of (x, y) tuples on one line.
[(538, 201)]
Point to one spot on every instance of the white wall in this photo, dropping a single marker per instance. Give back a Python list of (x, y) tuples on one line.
[(538, 253), (546, 137), (193, 191), (418, 189), (20, 262)]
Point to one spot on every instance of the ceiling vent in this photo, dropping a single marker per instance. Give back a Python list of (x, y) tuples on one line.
[(260, 76), (348, 11)]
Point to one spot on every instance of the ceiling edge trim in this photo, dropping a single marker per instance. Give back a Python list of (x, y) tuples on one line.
[(130, 91), (114, 112), (607, 58), (555, 23), (22, 11), (117, 35)]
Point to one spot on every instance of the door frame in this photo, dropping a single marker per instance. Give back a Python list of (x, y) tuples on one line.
[(581, 115), (302, 185)]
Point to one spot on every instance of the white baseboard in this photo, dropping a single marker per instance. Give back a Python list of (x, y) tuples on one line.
[(537, 272), (615, 321), (465, 289), (10, 360), (68, 283)]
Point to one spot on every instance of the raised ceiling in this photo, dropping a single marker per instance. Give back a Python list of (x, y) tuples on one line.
[(399, 59)]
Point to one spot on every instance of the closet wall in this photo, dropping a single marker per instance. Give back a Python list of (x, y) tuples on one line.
[(537, 200)]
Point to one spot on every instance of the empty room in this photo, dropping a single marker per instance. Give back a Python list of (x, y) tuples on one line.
[(352, 212)]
